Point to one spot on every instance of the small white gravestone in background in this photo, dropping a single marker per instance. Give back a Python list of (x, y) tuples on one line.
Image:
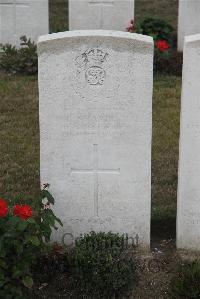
[(188, 20), (95, 129), (100, 14), (188, 211), (23, 17)]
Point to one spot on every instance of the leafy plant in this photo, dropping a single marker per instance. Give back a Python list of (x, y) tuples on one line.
[(102, 264), (23, 60), (157, 28), (186, 283), (25, 229), (166, 59)]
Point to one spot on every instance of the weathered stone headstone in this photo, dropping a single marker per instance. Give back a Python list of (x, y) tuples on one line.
[(100, 14), (95, 128), (188, 213), (23, 17), (188, 20)]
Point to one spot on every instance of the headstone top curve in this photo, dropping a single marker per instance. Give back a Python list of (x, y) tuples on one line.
[(95, 33)]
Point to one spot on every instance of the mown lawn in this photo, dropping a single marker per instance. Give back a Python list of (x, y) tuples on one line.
[(165, 146), (19, 135), (19, 126)]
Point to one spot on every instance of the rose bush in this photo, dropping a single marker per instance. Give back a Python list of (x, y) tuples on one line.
[(166, 58), (25, 229), (157, 28)]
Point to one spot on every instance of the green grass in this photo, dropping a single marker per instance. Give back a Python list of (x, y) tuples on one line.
[(19, 135), (166, 115)]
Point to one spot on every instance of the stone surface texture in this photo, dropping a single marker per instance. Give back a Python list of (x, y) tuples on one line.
[(100, 14), (23, 17), (95, 92), (188, 21), (188, 210)]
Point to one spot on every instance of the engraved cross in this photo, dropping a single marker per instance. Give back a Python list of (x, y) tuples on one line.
[(96, 171), (102, 4)]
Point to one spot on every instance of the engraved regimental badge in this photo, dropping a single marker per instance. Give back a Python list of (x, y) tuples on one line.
[(92, 62), (93, 76)]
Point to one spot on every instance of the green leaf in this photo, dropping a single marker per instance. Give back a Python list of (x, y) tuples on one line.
[(34, 240), (59, 221), (2, 250), (13, 221), (3, 264), (22, 225), (46, 194), (16, 273), (31, 221), (19, 248), (27, 281)]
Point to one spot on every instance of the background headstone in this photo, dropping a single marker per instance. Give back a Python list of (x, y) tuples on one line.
[(188, 20), (95, 127), (23, 17), (188, 211), (100, 14)]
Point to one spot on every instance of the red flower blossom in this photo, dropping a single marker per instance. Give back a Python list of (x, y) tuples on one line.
[(162, 45), (16, 210), (24, 212), (3, 208)]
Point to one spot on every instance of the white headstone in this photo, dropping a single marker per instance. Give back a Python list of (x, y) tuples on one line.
[(95, 129), (23, 17), (188, 20), (188, 214), (100, 14)]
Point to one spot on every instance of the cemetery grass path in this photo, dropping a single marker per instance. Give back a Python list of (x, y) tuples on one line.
[(19, 136)]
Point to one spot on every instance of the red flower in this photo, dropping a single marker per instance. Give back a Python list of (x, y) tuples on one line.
[(3, 208), (24, 212), (162, 45), (16, 210)]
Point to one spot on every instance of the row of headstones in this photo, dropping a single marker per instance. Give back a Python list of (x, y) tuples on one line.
[(31, 17), (95, 128)]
